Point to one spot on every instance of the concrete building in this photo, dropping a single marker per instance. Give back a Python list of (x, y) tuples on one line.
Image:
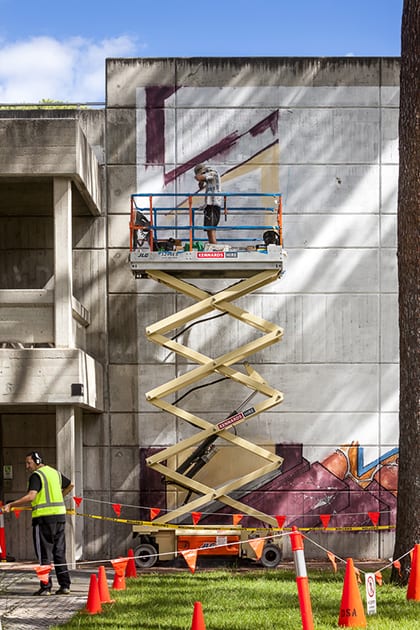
[(74, 360)]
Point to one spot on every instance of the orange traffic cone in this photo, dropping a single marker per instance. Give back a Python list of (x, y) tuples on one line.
[(43, 572), (198, 618), (103, 587), (119, 577), (93, 604), (352, 614), (413, 589), (131, 570)]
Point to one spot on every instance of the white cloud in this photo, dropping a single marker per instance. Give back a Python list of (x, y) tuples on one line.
[(72, 70)]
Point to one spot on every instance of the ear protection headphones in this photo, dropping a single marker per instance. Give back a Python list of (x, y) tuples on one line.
[(36, 457)]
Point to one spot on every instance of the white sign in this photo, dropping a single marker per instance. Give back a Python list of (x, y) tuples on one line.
[(370, 583)]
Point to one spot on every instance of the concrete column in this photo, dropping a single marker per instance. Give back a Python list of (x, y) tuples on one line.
[(63, 264), (65, 422)]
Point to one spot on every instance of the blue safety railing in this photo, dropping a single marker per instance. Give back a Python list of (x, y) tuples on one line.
[(153, 222)]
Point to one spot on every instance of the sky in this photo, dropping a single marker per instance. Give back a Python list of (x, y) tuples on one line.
[(56, 50)]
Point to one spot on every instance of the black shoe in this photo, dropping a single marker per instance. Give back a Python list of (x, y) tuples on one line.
[(63, 590), (43, 591)]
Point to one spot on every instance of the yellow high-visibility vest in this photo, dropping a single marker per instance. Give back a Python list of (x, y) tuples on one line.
[(49, 500)]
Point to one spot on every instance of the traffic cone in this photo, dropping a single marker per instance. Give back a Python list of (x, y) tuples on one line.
[(131, 570), (93, 604), (103, 587), (198, 618), (43, 572), (119, 577), (413, 589), (352, 614)]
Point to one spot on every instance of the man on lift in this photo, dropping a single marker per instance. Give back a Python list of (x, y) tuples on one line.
[(209, 179)]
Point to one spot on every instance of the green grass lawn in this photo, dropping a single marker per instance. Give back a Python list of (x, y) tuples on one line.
[(241, 600)]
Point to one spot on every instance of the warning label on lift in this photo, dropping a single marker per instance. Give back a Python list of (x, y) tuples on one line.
[(232, 419)]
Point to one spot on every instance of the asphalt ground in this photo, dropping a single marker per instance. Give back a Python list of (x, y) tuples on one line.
[(20, 610)]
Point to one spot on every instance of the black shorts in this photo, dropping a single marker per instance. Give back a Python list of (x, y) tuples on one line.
[(211, 215)]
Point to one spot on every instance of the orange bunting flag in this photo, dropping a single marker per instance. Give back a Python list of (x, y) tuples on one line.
[(374, 517), (190, 557), (196, 517), (325, 519), (280, 520), (397, 565), (331, 558), (257, 545), (237, 518), (378, 578), (117, 508), (17, 513), (77, 500), (357, 572), (154, 512)]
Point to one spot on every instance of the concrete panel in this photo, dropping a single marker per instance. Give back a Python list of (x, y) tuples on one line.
[(128, 317), (89, 286), (389, 136), (341, 328), (124, 429), (95, 429), (390, 71), (330, 271), (89, 232), (285, 71), (121, 136), (157, 428), (128, 384), (389, 230), (390, 96), (121, 183), (323, 432), (325, 136), (96, 467), (317, 328), (125, 468), (389, 426), (308, 388), (389, 270), (26, 325), (44, 376), (389, 328), (327, 189), (275, 96), (389, 188), (160, 127), (124, 76), (331, 231), (389, 375), (198, 129)]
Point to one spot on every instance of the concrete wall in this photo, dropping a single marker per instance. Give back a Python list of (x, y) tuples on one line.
[(323, 132)]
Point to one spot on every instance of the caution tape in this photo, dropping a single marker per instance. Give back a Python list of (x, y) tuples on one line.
[(157, 526)]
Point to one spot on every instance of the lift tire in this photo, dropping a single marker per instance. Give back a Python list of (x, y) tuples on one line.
[(271, 556), (145, 556)]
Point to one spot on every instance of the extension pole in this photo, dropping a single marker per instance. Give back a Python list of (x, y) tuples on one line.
[(302, 580)]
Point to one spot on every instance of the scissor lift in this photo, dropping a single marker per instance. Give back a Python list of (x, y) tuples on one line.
[(252, 253)]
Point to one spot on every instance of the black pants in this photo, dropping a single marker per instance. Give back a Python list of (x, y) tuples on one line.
[(50, 545)]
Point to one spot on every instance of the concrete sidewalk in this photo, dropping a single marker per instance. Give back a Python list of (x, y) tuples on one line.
[(20, 610)]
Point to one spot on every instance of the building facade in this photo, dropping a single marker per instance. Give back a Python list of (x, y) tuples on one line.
[(74, 360)]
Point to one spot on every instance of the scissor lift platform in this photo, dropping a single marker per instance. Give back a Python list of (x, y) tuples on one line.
[(243, 232)]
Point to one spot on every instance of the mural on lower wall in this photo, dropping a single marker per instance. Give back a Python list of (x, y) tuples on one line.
[(341, 485)]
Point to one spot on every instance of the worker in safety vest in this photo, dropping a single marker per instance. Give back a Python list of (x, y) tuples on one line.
[(46, 489)]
